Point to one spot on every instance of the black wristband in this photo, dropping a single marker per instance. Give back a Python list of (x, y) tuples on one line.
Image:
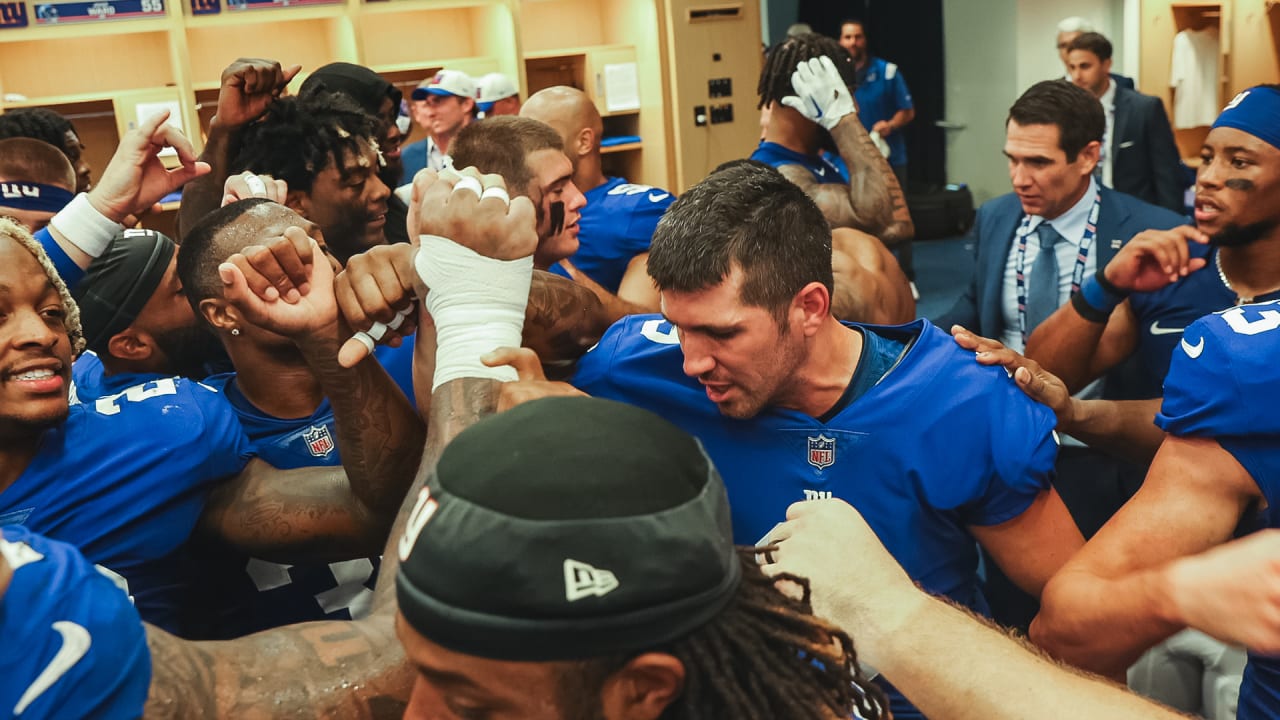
[(1107, 285), (1087, 311)]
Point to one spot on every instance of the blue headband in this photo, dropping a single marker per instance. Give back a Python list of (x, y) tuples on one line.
[(34, 196), (1255, 111)]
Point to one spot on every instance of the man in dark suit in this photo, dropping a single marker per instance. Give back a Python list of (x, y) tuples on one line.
[(1053, 138), (1070, 29), (1139, 155)]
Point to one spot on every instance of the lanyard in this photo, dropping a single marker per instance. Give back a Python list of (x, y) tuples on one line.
[(1077, 275)]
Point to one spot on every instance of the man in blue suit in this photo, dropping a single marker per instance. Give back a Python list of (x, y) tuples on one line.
[(1053, 138), (1139, 155)]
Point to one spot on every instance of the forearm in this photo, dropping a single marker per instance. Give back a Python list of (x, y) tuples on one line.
[(1123, 428), (901, 119), (1065, 344), (563, 319), (953, 665), (335, 670), (203, 195), (878, 204), (380, 436)]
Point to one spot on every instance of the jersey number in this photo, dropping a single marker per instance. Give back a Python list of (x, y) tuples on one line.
[(1268, 320), (110, 405), (652, 330)]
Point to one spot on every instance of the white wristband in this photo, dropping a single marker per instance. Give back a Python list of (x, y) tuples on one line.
[(477, 304), (86, 228)]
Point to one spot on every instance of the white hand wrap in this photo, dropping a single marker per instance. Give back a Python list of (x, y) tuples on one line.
[(477, 304), (86, 228)]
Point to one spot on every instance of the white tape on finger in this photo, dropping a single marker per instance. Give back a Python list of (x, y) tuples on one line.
[(468, 183), (256, 186), (497, 192)]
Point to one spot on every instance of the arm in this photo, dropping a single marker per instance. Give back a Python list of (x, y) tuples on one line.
[(1033, 546), (1079, 349), (248, 87), (615, 306), (563, 320), (1115, 598), (900, 119), (946, 661), (869, 285), (637, 287)]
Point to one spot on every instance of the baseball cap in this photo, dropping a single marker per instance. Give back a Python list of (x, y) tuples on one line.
[(447, 82), (564, 529), (119, 283), (494, 87), (363, 85)]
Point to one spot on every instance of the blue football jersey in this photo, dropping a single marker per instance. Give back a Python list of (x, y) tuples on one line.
[(125, 479), (247, 594), (398, 362), (941, 443), (822, 170), (616, 225), (1221, 385), (71, 643), (89, 380), (1162, 315)]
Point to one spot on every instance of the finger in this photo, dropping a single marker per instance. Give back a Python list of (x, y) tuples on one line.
[(278, 190), (288, 76), (173, 137), (252, 82), (183, 174), (293, 254), (148, 127), (263, 272), (348, 303), (228, 199), (525, 361), (234, 284), (354, 350), (375, 302)]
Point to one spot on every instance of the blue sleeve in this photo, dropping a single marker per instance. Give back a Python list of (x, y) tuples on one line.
[(223, 441), (68, 270), (644, 220), (114, 685), (901, 95), (594, 370), (1203, 392), (1024, 451)]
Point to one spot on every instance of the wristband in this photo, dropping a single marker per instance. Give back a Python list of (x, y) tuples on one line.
[(1097, 298), (1087, 311), (83, 226), (477, 304), (1109, 287)]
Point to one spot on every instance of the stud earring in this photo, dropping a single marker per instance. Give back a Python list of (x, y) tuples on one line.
[(235, 331)]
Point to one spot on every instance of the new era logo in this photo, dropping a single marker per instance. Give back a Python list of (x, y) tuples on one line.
[(581, 580)]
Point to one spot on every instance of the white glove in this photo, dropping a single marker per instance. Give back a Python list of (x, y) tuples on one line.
[(821, 94), (880, 143)]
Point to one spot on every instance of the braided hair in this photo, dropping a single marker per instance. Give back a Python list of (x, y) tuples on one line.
[(298, 137), (38, 124), (764, 657), (781, 61)]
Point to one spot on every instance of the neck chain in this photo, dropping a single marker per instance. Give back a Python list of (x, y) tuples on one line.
[(1222, 275)]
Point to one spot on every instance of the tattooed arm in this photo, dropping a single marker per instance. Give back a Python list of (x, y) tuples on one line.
[(873, 201), (562, 321)]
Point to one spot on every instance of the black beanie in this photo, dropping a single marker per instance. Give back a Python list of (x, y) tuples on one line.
[(358, 82), (120, 282)]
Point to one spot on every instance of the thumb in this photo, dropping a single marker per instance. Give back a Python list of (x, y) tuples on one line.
[(525, 361), (795, 103)]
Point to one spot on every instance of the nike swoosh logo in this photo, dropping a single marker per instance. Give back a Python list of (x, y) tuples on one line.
[(75, 644), (821, 171), (1157, 330), (1193, 351), (658, 197)]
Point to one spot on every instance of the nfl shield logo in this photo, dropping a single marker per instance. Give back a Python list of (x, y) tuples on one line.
[(822, 451), (318, 440)]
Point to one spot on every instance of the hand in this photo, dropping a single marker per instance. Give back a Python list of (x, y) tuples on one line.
[(871, 597), (247, 185), (1232, 592), (248, 87), (376, 285), (284, 285), (1039, 384), (1155, 258), (136, 179), (883, 128), (821, 94), (532, 385), (489, 227)]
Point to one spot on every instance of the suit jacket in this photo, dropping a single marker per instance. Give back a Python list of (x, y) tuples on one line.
[(981, 307), (1143, 155), (1122, 80)]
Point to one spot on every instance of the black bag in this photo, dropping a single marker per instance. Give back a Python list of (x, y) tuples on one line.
[(942, 213)]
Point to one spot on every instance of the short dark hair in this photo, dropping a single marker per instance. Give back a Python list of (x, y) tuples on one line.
[(781, 61), (301, 136), (202, 251), (502, 145), (747, 215), (38, 124), (25, 159), (1073, 110), (851, 21), (1096, 43)]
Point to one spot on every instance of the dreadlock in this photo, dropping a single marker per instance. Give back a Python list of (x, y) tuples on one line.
[(764, 657), (12, 230), (781, 61), (298, 137)]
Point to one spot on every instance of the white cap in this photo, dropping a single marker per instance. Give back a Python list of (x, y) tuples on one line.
[(495, 87), (447, 82)]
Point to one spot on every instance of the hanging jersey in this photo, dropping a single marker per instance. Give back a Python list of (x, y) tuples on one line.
[(73, 645), (616, 224), (247, 594), (125, 477), (1222, 384), (822, 170), (1162, 315)]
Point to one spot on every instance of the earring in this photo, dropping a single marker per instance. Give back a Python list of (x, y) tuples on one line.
[(235, 331)]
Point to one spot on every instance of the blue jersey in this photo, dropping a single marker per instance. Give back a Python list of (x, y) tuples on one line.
[(881, 93), (249, 594), (125, 479), (1223, 384), (939, 444), (822, 169), (398, 362), (72, 644), (616, 225), (89, 380)]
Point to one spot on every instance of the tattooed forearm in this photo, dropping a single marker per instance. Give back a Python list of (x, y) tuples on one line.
[(563, 319), (877, 204)]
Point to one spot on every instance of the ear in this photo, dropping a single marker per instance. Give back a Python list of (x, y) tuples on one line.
[(298, 201), (220, 314), (585, 142), (130, 344), (1106, 66), (1089, 156), (813, 305), (643, 688)]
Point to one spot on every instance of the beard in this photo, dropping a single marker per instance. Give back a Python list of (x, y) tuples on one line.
[(1241, 235)]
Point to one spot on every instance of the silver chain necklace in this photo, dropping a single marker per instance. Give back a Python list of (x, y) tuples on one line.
[(1217, 262)]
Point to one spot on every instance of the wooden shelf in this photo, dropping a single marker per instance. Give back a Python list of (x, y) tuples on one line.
[(625, 147)]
